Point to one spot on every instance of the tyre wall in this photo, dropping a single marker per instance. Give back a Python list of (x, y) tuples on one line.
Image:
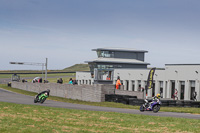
[(133, 100)]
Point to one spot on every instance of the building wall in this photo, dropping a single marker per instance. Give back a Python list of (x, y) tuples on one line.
[(84, 78), (170, 78), (184, 78)]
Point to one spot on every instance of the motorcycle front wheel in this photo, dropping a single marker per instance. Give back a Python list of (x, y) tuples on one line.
[(42, 100), (156, 108)]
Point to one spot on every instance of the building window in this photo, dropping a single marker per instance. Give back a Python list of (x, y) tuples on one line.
[(139, 85), (161, 89), (133, 85), (127, 85), (192, 90), (182, 89), (105, 54), (172, 88), (104, 66), (104, 75)]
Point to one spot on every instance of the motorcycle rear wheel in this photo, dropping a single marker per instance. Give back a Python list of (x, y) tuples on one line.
[(42, 100), (142, 108), (35, 100)]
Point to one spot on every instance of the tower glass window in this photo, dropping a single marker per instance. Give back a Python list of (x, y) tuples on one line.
[(105, 54)]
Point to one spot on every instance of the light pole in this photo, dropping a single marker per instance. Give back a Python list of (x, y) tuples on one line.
[(34, 64), (46, 70)]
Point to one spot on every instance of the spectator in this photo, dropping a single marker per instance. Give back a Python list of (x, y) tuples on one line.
[(74, 82), (108, 78), (23, 80), (195, 96), (60, 80), (40, 80), (70, 81), (176, 94), (46, 81), (118, 83)]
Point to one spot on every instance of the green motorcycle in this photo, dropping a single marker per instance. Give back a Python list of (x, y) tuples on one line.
[(41, 97)]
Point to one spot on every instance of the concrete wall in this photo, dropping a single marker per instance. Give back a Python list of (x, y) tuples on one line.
[(92, 93)]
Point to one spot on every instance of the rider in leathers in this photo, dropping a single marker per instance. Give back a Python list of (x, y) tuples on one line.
[(148, 102)]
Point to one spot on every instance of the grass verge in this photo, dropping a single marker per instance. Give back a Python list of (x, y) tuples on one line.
[(17, 118), (105, 104), (51, 77), (37, 75)]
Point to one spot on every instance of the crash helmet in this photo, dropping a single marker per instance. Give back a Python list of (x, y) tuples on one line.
[(45, 94), (48, 90), (158, 95)]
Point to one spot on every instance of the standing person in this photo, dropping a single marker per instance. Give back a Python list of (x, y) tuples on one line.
[(107, 78), (118, 83), (70, 81), (195, 96), (176, 94), (74, 82)]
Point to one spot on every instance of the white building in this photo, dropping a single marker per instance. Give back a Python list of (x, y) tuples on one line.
[(183, 77)]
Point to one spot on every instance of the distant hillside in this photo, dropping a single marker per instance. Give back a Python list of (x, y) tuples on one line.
[(77, 67), (74, 68)]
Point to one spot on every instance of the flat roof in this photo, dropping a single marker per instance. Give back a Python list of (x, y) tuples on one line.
[(118, 60), (120, 49), (180, 64)]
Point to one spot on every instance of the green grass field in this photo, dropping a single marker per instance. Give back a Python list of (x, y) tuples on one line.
[(37, 75), (17, 118), (52, 78)]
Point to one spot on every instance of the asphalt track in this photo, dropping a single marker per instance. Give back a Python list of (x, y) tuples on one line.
[(12, 97)]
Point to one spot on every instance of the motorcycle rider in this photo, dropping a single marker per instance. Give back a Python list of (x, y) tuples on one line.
[(44, 94), (46, 91), (148, 102)]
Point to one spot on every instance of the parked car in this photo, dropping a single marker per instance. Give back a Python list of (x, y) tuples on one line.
[(37, 79)]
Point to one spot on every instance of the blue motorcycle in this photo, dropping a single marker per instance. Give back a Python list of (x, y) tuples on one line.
[(152, 106)]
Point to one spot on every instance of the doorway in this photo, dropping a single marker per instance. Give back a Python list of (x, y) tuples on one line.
[(182, 90), (172, 88), (153, 90)]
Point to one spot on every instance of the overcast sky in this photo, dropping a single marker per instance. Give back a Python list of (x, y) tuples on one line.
[(65, 31)]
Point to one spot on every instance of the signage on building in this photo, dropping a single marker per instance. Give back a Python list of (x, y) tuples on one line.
[(150, 78)]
